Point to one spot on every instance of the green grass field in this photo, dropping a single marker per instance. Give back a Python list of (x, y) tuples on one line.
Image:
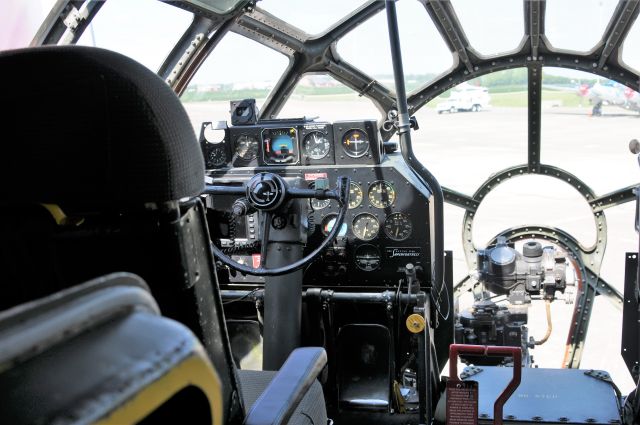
[(499, 98)]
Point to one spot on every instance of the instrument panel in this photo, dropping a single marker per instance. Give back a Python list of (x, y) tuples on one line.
[(387, 221), (293, 142), (386, 224)]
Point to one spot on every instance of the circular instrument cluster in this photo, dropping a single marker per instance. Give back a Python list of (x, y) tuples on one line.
[(316, 145), (280, 145), (397, 226), (366, 226), (355, 143), (247, 147), (382, 194)]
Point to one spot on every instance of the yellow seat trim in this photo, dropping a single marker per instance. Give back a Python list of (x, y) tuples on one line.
[(196, 370)]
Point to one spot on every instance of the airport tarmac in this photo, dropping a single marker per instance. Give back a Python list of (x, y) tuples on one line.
[(463, 149)]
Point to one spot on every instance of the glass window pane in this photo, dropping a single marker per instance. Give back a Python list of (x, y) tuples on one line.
[(463, 148), (145, 30), (21, 20), (534, 199), (631, 47), (226, 75), (424, 52), (323, 97), (309, 15), (577, 24), (509, 21), (587, 123)]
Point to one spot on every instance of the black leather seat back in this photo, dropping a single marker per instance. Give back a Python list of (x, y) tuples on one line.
[(101, 172)]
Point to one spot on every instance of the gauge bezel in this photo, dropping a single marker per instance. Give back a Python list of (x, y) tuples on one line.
[(367, 246), (395, 194), (218, 147), (326, 203), (329, 217), (384, 226), (353, 226), (271, 161), (361, 197), (344, 136), (236, 145), (324, 136)]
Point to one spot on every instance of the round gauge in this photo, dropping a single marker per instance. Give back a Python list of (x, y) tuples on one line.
[(367, 258), (316, 145), (382, 194), (355, 195), (280, 145), (318, 204), (247, 147), (397, 226), (355, 143), (329, 221), (366, 226), (216, 157)]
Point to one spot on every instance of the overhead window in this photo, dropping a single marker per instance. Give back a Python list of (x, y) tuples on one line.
[(144, 30), (577, 25), (507, 26), (309, 15), (424, 53)]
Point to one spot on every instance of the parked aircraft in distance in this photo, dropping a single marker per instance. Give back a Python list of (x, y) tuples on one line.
[(610, 93)]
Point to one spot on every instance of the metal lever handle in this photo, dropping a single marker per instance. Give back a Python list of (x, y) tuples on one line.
[(485, 350)]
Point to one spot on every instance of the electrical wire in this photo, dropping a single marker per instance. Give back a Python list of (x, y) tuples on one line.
[(245, 296)]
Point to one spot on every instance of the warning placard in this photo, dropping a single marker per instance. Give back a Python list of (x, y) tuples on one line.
[(462, 403)]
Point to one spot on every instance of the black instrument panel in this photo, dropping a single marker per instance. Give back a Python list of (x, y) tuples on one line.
[(386, 225), (293, 142)]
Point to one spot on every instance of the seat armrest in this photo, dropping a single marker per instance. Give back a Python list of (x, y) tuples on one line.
[(283, 395)]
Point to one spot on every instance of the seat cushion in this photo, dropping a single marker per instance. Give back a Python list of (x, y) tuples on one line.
[(311, 411)]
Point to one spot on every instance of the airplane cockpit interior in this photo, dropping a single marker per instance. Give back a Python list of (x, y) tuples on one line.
[(320, 212)]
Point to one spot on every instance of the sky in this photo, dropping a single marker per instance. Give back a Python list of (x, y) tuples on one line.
[(570, 24)]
